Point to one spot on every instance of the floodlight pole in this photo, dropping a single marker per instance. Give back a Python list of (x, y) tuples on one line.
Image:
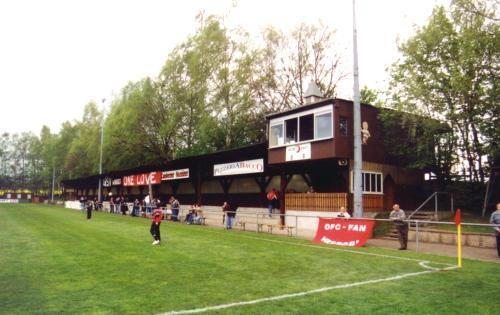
[(99, 198), (53, 182), (358, 159)]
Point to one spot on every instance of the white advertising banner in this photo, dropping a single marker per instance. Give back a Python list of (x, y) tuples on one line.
[(9, 201), (175, 174), (108, 182), (298, 152), (241, 167)]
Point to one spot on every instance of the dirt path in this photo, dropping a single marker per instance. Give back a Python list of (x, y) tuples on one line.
[(487, 254)]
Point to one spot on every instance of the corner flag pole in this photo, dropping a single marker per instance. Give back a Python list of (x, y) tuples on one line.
[(459, 237)]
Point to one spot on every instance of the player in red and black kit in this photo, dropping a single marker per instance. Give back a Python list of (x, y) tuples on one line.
[(155, 226)]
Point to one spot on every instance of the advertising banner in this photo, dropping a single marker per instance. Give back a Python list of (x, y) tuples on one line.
[(152, 178), (344, 232), (9, 201), (175, 174), (108, 182), (241, 167)]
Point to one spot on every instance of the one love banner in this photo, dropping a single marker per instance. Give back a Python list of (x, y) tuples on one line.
[(344, 232)]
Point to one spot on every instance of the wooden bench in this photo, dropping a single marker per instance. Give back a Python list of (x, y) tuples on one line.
[(289, 229), (260, 227), (201, 220), (242, 224)]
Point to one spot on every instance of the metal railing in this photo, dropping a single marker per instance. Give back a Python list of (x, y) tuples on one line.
[(293, 222), (435, 196)]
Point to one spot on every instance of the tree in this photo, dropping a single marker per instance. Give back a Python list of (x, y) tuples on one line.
[(449, 72), (291, 61), (140, 128), (82, 158), (209, 80), (369, 96), (4, 160), (212, 94)]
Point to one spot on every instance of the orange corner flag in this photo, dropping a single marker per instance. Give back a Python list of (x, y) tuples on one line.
[(459, 237), (457, 217)]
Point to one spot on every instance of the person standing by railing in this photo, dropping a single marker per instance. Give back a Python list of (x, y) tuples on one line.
[(136, 207), (175, 208), (272, 198), (111, 205), (147, 204), (495, 219), (82, 203), (229, 214), (398, 216)]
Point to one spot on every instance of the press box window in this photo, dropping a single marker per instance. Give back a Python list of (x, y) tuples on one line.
[(323, 126), (306, 127), (276, 136), (342, 126), (291, 130)]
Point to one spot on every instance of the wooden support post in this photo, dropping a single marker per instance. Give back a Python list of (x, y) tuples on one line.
[(263, 182), (197, 186), (175, 187), (283, 183), (226, 184)]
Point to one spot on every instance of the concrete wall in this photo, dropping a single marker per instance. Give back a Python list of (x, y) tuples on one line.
[(468, 239)]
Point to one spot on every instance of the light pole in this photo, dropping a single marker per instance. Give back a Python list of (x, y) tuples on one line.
[(358, 159), (53, 181), (100, 156)]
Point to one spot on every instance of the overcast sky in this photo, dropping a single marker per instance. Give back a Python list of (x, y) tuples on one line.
[(56, 56)]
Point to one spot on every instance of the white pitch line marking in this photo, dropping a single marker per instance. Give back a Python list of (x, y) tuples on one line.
[(333, 248), (298, 294)]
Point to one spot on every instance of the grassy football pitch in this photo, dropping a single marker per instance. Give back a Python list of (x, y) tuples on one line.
[(52, 260)]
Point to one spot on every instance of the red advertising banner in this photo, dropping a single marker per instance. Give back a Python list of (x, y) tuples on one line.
[(175, 174), (152, 178), (344, 232)]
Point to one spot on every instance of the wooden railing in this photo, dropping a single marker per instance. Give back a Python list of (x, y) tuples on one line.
[(315, 201), (373, 203)]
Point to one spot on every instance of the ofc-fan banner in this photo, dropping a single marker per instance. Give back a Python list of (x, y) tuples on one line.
[(344, 232)]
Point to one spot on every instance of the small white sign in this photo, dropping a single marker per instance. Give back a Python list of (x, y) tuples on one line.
[(241, 167), (298, 152), (106, 182)]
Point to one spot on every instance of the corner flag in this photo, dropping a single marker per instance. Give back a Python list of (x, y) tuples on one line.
[(458, 218), (458, 222)]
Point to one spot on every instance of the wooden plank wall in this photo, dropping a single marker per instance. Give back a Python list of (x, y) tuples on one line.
[(373, 203), (315, 201), (330, 202)]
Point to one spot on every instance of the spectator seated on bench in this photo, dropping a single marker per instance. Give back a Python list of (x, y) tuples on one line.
[(197, 216), (191, 215)]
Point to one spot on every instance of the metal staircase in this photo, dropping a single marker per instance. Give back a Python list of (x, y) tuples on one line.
[(419, 215)]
